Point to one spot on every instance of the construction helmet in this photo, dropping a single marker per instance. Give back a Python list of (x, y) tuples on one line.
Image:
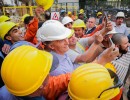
[(113, 31), (111, 67), (120, 14), (78, 23), (52, 30), (92, 82), (4, 18), (81, 11), (45, 3), (24, 16), (72, 32), (24, 70), (69, 12), (66, 20), (5, 27), (99, 13)]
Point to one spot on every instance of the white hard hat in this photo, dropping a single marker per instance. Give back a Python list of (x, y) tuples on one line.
[(113, 31), (52, 30), (66, 20), (120, 14)]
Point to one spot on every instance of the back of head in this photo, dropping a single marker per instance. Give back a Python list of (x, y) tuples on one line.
[(5, 27), (89, 82), (52, 30), (4, 18), (117, 38), (28, 19), (24, 16), (47, 15), (24, 70)]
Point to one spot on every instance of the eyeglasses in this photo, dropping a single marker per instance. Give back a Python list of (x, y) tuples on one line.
[(117, 82)]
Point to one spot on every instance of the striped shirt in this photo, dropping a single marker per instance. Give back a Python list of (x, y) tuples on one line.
[(122, 65)]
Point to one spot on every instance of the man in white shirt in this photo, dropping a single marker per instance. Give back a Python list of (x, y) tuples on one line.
[(119, 26)]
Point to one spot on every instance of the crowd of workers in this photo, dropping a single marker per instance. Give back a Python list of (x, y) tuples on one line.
[(74, 58)]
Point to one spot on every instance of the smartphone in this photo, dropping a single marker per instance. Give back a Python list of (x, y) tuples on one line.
[(111, 41), (106, 16)]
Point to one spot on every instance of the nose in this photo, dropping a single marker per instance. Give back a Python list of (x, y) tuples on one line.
[(21, 33), (66, 41)]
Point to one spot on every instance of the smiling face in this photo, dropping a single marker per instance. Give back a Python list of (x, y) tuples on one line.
[(79, 32), (72, 40), (68, 25), (60, 46), (15, 35)]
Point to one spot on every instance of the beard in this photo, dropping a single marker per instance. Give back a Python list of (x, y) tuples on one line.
[(122, 51)]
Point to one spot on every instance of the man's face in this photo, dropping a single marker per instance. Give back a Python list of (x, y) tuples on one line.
[(15, 35), (119, 20), (72, 40), (60, 46), (99, 16), (109, 17), (69, 25), (123, 47), (79, 32), (81, 16), (91, 23)]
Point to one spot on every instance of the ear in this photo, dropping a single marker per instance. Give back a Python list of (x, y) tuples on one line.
[(8, 38), (51, 46), (117, 46)]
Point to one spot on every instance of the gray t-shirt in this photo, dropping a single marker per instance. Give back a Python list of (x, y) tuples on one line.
[(80, 49)]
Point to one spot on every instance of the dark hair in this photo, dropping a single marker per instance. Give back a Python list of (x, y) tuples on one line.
[(8, 34), (28, 19), (46, 45), (47, 16)]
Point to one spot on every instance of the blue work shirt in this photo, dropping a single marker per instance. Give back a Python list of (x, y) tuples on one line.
[(65, 65), (5, 95)]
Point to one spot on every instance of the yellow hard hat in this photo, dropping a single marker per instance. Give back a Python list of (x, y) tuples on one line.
[(72, 32), (99, 13), (24, 16), (90, 82), (78, 23), (111, 67), (4, 18), (69, 12), (24, 69), (81, 11), (5, 27), (45, 3)]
